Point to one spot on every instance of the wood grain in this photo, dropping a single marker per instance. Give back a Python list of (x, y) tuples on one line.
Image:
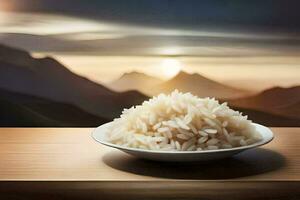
[(71, 154), (48, 157)]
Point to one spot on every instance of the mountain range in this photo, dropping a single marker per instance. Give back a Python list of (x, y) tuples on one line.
[(134, 81), (185, 82), (28, 111), (277, 100), (43, 92), (198, 85), (47, 78)]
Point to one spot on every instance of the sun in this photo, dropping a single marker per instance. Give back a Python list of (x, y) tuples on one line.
[(170, 67)]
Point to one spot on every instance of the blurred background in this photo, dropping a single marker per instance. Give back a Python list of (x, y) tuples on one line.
[(80, 63)]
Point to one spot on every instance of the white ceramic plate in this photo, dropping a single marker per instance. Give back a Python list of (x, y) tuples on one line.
[(99, 134)]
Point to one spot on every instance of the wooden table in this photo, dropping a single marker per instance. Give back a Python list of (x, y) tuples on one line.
[(54, 163)]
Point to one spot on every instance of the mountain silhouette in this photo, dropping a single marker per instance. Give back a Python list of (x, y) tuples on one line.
[(43, 92), (277, 100), (197, 85), (268, 119), (47, 78), (134, 81), (29, 111)]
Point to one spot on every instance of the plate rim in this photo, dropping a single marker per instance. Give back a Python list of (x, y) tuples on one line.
[(264, 141)]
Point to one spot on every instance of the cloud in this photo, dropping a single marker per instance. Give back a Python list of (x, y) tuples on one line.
[(40, 32), (47, 24), (195, 14)]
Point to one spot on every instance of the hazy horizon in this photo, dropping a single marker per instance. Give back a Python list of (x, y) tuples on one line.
[(241, 72)]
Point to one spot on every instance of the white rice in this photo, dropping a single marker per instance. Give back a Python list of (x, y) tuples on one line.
[(182, 122)]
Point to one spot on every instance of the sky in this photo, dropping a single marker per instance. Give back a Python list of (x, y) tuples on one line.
[(102, 39)]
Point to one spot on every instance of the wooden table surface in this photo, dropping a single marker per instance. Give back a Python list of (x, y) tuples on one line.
[(70, 162)]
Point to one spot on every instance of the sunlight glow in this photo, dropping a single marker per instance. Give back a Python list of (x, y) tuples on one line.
[(169, 51), (170, 67)]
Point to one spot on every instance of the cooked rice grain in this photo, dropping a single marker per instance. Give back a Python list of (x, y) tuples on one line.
[(182, 122)]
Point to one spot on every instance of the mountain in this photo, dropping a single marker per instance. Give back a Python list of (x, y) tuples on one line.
[(15, 56), (292, 110), (268, 119), (29, 111), (47, 78), (134, 81), (277, 100), (197, 85), (43, 92)]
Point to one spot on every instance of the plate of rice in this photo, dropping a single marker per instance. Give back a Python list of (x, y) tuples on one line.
[(182, 127)]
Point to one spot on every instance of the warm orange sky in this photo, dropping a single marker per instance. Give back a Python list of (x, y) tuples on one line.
[(253, 73)]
